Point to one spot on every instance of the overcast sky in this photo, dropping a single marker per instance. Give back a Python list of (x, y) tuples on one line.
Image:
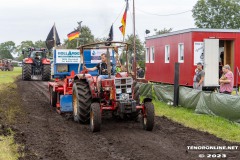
[(32, 19)]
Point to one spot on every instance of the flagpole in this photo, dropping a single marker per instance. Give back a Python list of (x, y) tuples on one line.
[(134, 42)]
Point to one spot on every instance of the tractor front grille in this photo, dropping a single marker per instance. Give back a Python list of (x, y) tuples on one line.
[(123, 88)]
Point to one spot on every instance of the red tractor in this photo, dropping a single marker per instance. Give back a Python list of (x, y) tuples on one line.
[(36, 65), (119, 94)]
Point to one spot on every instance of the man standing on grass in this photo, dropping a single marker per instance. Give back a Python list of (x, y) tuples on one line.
[(198, 77), (227, 80)]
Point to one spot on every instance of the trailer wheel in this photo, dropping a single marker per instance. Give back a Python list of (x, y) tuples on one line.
[(148, 117), (136, 96), (81, 101), (27, 70), (95, 117), (53, 97), (46, 72)]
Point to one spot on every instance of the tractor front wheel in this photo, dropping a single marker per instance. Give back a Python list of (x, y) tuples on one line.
[(95, 117), (148, 116)]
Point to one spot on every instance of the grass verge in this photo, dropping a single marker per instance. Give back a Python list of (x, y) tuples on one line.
[(8, 148), (9, 76), (218, 126), (9, 108)]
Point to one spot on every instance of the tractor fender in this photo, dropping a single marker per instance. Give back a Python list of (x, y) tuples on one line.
[(46, 61), (28, 60), (147, 100), (81, 76)]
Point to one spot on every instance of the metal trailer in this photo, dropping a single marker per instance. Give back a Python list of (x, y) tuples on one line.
[(213, 47)]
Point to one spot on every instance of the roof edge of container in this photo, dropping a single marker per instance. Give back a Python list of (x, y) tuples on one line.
[(192, 30)]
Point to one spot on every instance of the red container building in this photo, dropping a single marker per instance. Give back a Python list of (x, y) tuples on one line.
[(212, 47)]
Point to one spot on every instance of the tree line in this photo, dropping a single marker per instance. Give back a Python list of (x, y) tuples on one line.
[(9, 48)]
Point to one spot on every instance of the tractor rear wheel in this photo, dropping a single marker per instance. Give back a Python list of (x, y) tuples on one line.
[(46, 72), (27, 70), (81, 101), (148, 117), (95, 117), (53, 97), (136, 96)]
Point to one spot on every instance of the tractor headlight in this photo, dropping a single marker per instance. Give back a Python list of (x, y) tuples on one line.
[(124, 96), (119, 91), (107, 89), (129, 90)]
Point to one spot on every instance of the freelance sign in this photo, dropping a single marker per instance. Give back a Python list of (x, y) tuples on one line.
[(67, 56)]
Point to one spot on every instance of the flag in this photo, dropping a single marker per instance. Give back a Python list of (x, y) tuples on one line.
[(50, 38), (123, 21), (121, 28), (110, 36), (73, 35), (147, 31)]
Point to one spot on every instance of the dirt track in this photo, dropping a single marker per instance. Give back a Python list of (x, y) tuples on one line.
[(50, 136)]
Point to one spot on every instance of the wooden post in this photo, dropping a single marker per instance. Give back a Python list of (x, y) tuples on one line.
[(176, 84)]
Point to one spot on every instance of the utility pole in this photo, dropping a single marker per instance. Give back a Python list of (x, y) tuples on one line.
[(79, 29), (134, 43)]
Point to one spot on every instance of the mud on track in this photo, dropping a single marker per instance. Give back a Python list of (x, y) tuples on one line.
[(50, 136)]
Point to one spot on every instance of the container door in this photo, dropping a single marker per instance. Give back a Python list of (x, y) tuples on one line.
[(211, 62)]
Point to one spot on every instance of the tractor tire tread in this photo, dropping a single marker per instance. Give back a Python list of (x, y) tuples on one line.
[(95, 108), (27, 70), (149, 107), (46, 72), (84, 100)]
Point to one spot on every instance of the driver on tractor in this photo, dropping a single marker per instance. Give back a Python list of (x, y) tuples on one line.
[(37, 56), (102, 70)]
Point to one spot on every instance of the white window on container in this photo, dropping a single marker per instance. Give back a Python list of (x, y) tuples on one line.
[(167, 53), (180, 52), (147, 55), (152, 55)]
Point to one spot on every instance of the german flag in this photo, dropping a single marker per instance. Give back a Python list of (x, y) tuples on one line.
[(124, 20), (73, 35)]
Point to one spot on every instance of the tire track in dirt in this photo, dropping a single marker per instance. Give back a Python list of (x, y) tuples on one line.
[(50, 136)]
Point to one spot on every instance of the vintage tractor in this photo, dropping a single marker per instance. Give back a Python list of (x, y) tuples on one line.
[(119, 93), (2, 64), (36, 66), (6, 65)]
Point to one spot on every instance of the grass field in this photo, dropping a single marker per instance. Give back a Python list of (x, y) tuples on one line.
[(9, 76), (8, 148), (217, 126)]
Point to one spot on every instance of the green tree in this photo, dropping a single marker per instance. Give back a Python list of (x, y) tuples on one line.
[(23, 46), (162, 31), (217, 14), (139, 51), (100, 39), (7, 49), (86, 36), (40, 44)]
